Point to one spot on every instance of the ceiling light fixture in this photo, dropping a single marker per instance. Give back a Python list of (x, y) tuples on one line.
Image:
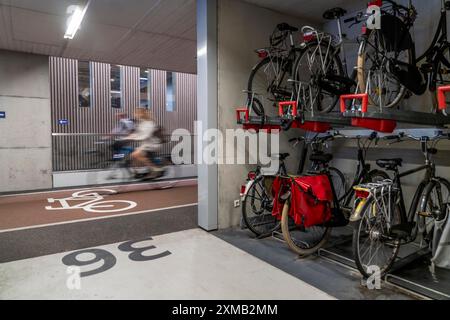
[(76, 17)]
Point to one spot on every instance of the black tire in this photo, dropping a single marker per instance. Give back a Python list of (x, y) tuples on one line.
[(430, 202), (303, 241), (257, 207), (302, 75), (339, 182), (361, 237), (260, 82)]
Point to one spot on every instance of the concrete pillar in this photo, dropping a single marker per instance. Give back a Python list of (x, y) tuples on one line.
[(207, 110)]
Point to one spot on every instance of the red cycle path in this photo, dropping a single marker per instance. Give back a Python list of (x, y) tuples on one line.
[(29, 210)]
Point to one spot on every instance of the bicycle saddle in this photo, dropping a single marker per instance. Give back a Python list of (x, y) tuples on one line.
[(334, 13), (321, 157), (390, 164), (286, 27), (281, 156)]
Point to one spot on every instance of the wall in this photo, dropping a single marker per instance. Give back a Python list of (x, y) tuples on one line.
[(423, 32), (242, 28), (25, 137)]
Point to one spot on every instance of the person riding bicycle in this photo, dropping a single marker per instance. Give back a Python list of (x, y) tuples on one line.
[(146, 133), (124, 127)]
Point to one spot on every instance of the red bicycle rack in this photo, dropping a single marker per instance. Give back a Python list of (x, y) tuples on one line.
[(380, 125), (287, 104), (442, 104), (239, 113), (311, 126)]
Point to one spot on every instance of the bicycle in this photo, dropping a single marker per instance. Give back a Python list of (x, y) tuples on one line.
[(388, 69), (269, 79), (113, 167), (305, 241), (257, 195), (320, 74), (383, 224)]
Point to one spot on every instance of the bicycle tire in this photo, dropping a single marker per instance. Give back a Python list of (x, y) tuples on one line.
[(296, 71), (341, 183), (362, 79), (288, 229), (256, 104), (425, 203), (272, 224), (358, 225)]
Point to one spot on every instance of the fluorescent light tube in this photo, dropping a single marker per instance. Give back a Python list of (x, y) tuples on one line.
[(74, 22)]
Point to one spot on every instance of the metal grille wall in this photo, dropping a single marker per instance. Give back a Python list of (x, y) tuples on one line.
[(75, 130)]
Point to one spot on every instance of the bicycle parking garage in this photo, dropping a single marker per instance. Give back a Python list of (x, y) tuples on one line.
[(224, 150)]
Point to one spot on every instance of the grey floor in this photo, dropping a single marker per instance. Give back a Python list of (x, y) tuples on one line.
[(335, 280)]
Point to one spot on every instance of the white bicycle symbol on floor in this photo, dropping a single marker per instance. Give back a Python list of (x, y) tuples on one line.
[(93, 202)]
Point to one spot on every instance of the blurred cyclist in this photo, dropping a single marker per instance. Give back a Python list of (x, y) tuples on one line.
[(123, 128), (145, 132)]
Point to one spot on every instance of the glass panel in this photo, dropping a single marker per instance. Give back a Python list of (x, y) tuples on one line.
[(145, 88), (170, 92), (116, 89), (84, 84)]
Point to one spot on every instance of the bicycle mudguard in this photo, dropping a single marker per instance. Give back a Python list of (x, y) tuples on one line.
[(396, 34), (409, 76)]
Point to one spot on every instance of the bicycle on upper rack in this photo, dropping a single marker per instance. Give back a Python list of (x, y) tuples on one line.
[(257, 194), (381, 221), (320, 73), (269, 80), (307, 240), (388, 69)]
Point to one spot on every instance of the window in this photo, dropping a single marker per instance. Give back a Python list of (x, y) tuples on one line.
[(170, 92), (145, 88), (84, 84), (116, 88)]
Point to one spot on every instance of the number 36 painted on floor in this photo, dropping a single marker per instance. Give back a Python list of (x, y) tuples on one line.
[(109, 260)]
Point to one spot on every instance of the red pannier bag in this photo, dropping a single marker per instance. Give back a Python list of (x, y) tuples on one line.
[(311, 199)]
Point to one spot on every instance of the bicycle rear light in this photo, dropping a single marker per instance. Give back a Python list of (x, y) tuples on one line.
[(364, 30), (243, 188), (377, 3), (309, 36), (361, 194), (262, 53), (251, 175)]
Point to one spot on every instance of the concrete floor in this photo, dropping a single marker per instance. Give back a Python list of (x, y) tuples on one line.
[(191, 264), (340, 282)]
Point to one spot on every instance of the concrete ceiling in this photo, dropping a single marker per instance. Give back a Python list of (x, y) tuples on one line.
[(159, 34), (308, 9)]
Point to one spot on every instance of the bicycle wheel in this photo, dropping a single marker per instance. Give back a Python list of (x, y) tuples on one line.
[(339, 182), (383, 88), (433, 207), (268, 84), (301, 240), (319, 77), (257, 207), (372, 245)]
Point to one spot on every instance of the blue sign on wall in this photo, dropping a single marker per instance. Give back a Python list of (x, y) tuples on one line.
[(2, 115), (63, 122)]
